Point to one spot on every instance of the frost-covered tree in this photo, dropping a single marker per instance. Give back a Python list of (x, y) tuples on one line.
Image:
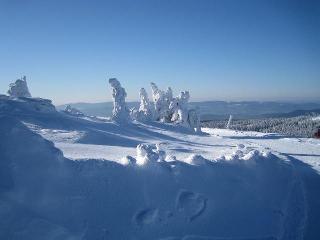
[(174, 109), (145, 109), (179, 108), (162, 101), (120, 111), (19, 88), (157, 96)]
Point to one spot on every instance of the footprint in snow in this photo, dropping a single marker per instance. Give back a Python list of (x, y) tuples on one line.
[(147, 216), (191, 204)]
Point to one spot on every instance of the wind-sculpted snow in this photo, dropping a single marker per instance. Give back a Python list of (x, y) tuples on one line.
[(25, 105), (44, 195)]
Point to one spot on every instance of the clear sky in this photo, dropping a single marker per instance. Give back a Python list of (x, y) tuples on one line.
[(219, 50)]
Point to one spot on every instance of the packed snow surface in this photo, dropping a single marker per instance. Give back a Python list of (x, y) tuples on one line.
[(78, 177)]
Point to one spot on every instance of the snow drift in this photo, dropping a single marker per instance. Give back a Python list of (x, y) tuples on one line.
[(47, 196), (65, 175)]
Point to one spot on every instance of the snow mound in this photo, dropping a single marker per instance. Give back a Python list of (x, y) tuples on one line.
[(149, 153), (26, 105), (174, 187), (196, 159)]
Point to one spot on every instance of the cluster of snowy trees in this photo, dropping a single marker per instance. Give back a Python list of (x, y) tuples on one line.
[(301, 126), (164, 107)]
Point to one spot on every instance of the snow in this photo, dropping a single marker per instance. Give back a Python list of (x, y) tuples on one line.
[(73, 111), (316, 118), (65, 176)]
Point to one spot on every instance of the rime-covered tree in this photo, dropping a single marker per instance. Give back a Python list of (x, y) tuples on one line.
[(179, 108), (161, 101), (145, 112), (19, 88), (120, 111)]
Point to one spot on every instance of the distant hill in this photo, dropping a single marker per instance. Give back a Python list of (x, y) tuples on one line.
[(215, 110)]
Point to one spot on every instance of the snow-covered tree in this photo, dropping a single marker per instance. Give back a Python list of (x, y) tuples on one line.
[(19, 88), (174, 109), (179, 108), (162, 100), (120, 111), (157, 96), (145, 109)]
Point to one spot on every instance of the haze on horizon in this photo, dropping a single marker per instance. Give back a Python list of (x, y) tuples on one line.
[(219, 50)]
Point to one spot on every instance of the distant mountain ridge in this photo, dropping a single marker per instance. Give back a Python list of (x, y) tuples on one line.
[(210, 110)]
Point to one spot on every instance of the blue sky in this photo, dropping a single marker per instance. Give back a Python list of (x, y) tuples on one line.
[(219, 50)]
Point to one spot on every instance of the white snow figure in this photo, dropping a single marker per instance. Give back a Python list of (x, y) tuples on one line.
[(157, 96), (150, 153), (145, 110), (179, 108), (162, 102), (19, 88), (120, 111)]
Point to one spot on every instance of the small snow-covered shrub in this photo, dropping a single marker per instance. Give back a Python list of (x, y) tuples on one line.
[(149, 153)]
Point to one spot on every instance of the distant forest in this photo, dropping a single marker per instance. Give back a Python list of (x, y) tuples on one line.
[(301, 126)]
